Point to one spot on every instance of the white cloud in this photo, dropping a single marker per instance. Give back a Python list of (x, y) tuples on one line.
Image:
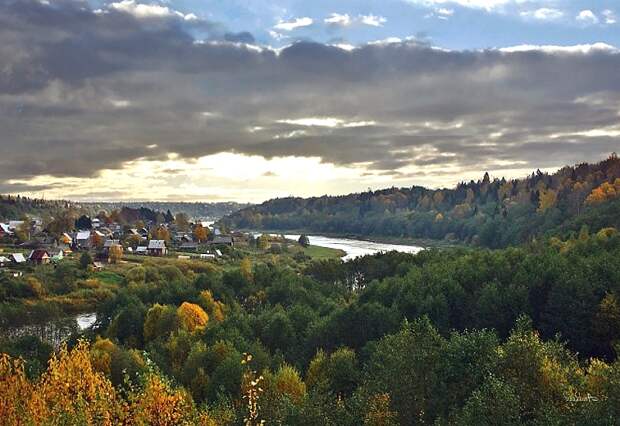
[(487, 5), (543, 14), (576, 49), (444, 11), (339, 19), (119, 103), (326, 122), (141, 10), (345, 20), (373, 21), (610, 17), (587, 17), (292, 25)]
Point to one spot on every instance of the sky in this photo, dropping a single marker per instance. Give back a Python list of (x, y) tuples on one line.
[(246, 100)]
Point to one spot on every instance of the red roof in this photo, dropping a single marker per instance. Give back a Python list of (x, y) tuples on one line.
[(39, 254)]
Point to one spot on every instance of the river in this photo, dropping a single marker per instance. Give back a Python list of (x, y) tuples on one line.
[(355, 248), (54, 331)]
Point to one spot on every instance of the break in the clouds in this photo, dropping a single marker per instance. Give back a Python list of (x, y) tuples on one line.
[(156, 101)]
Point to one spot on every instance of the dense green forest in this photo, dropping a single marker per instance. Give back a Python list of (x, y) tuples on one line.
[(13, 207), (525, 335), (196, 210), (489, 212)]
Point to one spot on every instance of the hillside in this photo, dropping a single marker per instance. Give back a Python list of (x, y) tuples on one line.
[(193, 210), (490, 212), (16, 206)]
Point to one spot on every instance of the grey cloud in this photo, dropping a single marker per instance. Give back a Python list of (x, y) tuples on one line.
[(80, 92)]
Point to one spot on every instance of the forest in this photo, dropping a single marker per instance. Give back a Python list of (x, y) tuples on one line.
[(489, 212), (463, 336)]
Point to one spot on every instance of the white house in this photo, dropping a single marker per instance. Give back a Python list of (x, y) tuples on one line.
[(157, 248)]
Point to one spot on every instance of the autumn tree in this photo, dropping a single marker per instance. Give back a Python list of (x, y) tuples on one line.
[(182, 221), (192, 317), (546, 200), (160, 320), (115, 253), (201, 233), (96, 239), (161, 233), (245, 267), (263, 242)]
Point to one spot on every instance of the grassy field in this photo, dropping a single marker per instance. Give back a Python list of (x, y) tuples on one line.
[(317, 252)]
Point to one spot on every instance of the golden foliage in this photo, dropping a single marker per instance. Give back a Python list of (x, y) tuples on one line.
[(15, 391), (379, 412), (192, 317), (546, 200), (245, 267), (115, 254), (201, 233), (158, 404), (214, 308), (606, 191), (288, 382), (101, 355)]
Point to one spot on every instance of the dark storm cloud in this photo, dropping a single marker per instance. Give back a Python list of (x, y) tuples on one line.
[(82, 91)]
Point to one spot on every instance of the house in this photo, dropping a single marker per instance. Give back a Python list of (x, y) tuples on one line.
[(14, 224), (141, 250), (5, 231), (17, 258), (207, 256), (65, 239), (96, 222), (226, 240), (157, 248), (189, 246), (39, 257), (4, 261), (107, 252), (109, 244), (82, 240)]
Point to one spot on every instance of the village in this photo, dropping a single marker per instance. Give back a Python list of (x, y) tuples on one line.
[(24, 242), (103, 241)]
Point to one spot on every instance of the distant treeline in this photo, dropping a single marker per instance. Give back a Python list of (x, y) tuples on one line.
[(490, 212), (193, 210), (15, 206)]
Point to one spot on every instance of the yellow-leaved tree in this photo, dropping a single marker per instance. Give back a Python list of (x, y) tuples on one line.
[(214, 308), (192, 317)]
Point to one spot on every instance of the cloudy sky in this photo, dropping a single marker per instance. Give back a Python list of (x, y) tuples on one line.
[(247, 100)]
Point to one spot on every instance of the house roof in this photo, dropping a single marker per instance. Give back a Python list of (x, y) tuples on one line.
[(110, 243), (140, 249), (5, 228), (83, 235), (17, 257), (39, 254), (13, 224), (189, 244), (157, 244), (222, 239), (4, 259)]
